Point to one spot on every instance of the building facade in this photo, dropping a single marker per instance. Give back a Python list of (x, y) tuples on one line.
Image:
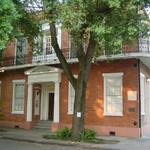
[(34, 88)]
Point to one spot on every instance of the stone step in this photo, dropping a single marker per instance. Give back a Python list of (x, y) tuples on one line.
[(44, 125)]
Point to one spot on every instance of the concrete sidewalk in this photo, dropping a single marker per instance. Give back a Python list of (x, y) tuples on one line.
[(36, 136)]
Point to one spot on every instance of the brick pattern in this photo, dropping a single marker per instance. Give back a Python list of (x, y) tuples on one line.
[(94, 105)]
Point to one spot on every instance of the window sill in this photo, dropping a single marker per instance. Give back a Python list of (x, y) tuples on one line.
[(17, 112), (70, 113), (113, 114)]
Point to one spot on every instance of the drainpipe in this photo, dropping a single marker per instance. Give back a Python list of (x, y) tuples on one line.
[(139, 97)]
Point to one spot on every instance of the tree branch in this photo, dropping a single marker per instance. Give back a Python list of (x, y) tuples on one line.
[(90, 52), (60, 56)]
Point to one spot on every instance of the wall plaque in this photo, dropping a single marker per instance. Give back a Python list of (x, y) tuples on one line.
[(132, 95)]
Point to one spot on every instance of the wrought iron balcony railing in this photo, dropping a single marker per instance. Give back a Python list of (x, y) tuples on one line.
[(31, 59), (143, 46)]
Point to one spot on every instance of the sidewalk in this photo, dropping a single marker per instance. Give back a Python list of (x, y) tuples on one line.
[(36, 136)]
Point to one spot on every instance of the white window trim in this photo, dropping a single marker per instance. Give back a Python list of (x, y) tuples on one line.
[(142, 110), (13, 100), (107, 75), (45, 28), (69, 96)]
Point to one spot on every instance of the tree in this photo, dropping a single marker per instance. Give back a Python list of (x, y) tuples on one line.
[(8, 14), (98, 24), (101, 25)]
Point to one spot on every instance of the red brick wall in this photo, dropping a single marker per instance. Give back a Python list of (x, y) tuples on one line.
[(65, 43), (10, 50), (95, 99), (7, 95), (7, 92)]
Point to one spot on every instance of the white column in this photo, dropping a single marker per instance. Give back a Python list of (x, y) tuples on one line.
[(56, 102), (29, 103)]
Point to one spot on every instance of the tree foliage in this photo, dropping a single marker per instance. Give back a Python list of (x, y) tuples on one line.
[(8, 14), (112, 22)]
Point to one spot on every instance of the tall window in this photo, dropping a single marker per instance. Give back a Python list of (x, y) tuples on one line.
[(71, 96), (72, 49), (42, 42), (21, 45), (113, 94), (18, 97), (142, 89), (48, 46)]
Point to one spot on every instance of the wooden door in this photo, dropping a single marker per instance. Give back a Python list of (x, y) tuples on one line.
[(51, 106)]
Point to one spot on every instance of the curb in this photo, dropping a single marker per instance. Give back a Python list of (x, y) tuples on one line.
[(60, 143), (40, 142)]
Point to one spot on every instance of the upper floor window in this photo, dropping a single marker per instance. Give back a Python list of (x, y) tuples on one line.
[(42, 42), (113, 94), (72, 47), (47, 42), (21, 45), (21, 50)]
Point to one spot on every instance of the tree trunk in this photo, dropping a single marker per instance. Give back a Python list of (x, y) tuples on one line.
[(79, 103), (85, 60), (80, 89)]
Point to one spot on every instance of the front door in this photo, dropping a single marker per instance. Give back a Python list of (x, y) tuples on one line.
[(51, 106)]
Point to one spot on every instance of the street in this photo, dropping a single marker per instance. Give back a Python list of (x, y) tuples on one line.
[(135, 144), (17, 145)]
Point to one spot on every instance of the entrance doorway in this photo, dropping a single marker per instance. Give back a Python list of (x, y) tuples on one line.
[(51, 106)]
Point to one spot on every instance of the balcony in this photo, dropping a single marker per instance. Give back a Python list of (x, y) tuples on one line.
[(136, 51), (34, 60)]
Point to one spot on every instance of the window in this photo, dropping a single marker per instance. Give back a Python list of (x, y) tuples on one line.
[(47, 43), (142, 89), (113, 94), (18, 97), (71, 99), (21, 44), (71, 96), (72, 48)]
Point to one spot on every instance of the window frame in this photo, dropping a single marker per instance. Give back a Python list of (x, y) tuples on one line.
[(13, 96), (69, 111), (142, 94), (111, 76)]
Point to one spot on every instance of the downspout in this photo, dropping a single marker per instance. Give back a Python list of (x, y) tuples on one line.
[(139, 89), (139, 97)]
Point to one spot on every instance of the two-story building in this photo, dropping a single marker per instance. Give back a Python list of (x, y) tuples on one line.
[(34, 88)]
